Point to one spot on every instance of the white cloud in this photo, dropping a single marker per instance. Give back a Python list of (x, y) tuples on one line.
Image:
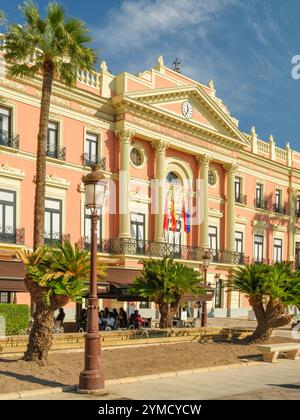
[(136, 24)]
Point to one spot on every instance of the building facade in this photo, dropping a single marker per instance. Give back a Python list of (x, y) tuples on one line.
[(243, 194)]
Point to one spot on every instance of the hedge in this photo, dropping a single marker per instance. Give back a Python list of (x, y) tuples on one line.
[(16, 317)]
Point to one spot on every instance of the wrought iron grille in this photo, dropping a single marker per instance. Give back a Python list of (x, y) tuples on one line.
[(56, 152), (90, 160), (10, 235), (8, 139)]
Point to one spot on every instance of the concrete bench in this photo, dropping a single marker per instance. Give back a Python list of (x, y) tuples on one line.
[(271, 351)]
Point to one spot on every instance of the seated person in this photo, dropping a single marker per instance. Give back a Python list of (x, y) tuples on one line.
[(136, 320), (111, 321)]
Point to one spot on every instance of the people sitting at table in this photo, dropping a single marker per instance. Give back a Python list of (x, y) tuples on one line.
[(136, 320), (102, 321)]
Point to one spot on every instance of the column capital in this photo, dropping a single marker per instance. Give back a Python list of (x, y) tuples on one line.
[(293, 190), (231, 168), (159, 146), (204, 159), (125, 135)]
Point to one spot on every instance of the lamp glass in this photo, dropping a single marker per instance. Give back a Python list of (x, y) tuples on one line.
[(206, 261), (94, 194)]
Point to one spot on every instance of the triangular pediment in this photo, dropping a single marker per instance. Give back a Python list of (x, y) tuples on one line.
[(207, 111)]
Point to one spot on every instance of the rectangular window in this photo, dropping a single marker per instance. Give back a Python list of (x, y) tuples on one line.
[(87, 230), (238, 190), (53, 221), (5, 297), (277, 250), (298, 206), (259, 195), (213, 240), (278, 194), (138, 231), (239, 242), (91, 149), (297, 255), (52, 140), (218, 294), (5, 127), (7, 216), (258, 248), (5, 121)]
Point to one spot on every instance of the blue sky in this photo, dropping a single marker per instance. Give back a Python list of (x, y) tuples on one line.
[(246, 47)]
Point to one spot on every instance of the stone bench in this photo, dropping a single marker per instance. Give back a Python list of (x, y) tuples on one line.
[(271, 351)]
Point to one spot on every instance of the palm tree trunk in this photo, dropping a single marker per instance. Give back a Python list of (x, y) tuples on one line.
[(166, 316), (40, 188), (272, 315), (40, 338)]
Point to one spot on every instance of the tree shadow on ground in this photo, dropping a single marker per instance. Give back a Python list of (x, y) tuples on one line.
[(289, 386), (32, 379)]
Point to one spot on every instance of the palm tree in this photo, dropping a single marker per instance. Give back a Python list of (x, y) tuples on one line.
[(54, 48), (55, 277), (165, 282), (270, 290)]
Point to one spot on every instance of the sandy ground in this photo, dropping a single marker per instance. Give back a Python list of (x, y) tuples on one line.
[(64, 368)]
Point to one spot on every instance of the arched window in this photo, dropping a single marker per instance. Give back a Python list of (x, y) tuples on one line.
[(173, 179)]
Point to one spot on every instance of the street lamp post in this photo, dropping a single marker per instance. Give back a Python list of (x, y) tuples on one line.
[(206, 259), (92, 378)]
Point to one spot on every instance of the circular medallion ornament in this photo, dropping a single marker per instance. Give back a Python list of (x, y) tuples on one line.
[(187, 109)]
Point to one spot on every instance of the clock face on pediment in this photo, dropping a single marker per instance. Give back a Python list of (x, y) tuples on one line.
[(187, 109)]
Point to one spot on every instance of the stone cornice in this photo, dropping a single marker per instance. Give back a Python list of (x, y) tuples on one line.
[(9, 172)]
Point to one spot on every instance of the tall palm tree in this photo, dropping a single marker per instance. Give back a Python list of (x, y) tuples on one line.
[(165, 282), (53, 47)]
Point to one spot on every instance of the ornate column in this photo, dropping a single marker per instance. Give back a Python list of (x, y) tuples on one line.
[(202, 187), (230, 206), (160, 148), (291, 228), (125, 137)]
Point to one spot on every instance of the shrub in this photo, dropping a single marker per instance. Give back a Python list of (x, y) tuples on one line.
[(16, 317)]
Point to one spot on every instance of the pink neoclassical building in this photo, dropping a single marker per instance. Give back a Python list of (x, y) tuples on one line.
[(242, 193)]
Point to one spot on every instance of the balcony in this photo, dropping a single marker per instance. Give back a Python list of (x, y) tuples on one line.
[(91, 160), (9, 235), (261, 204), (56, 152), (54, 238), (8, 139), (241, 199), (279, 209), (85, 243), (120, 246)]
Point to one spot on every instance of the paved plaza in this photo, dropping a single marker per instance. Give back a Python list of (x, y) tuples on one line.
[(264, 381)]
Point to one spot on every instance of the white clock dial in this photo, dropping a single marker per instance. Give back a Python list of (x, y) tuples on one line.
[(187, 109)]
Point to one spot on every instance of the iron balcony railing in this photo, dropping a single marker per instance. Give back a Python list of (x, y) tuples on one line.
[(8, 139), (10, 235), (121, 246), (56, 152), (242, 199), (85, 243), (53, 238), (279, 209), (90, 160), (261, 204)]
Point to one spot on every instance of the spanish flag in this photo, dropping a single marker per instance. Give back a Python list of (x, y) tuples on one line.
[(173, 216)]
